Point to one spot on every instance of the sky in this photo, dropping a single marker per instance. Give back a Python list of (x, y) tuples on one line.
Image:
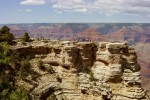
[(74, 11)]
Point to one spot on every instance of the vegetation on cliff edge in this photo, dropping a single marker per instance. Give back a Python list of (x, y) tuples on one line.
[(9, 60)]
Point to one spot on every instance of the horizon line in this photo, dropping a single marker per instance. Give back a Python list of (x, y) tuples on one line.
[(77, 23)]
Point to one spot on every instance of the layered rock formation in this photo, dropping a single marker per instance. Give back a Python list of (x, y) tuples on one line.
[(83, 71)]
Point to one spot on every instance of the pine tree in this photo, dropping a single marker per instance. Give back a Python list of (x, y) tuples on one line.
[(26, 37), (5, 35), (4, 30)]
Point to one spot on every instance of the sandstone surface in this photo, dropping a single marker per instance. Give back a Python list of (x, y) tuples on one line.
[(83, 71)]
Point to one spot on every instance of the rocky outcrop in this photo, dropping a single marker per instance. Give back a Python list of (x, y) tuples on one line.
[(83, 71)]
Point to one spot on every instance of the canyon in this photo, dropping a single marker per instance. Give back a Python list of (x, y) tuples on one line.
[(136, 34), (81, 70)]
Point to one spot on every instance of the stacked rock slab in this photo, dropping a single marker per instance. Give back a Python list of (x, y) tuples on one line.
[(84, 71), (86, 53), (116, 64)]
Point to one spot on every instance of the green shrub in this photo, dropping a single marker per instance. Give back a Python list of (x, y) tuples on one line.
[(41, 65), (15, 58), (4, 55), (63, 60), (45, 41), (25, 63), (58, 78), (4, 30), (49, 69), (5, 35), (26, 37), (46, 67), (24, 68), (8, 89), (14, 94), (92, 76), (19, 94), (23, 42), (52, 97)]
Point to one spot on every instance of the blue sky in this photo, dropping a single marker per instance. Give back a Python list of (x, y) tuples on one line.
[(78, 11)]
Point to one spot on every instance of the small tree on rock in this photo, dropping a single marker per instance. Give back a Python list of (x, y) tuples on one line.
[(5, 35), (26, 37), (4, 30)]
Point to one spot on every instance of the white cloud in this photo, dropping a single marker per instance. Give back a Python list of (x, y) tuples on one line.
[(81, 10), (58, 12), (28, 10), (108, 7), (70, 5), (25, 10), (33, 2)]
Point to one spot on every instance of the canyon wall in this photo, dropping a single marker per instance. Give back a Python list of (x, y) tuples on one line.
[(82, 71)]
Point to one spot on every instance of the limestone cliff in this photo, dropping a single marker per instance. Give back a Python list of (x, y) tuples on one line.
[(82, 71)]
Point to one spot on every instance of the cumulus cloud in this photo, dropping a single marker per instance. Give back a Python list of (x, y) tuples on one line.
[(33, 2), (108, 7), (70, 5)]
